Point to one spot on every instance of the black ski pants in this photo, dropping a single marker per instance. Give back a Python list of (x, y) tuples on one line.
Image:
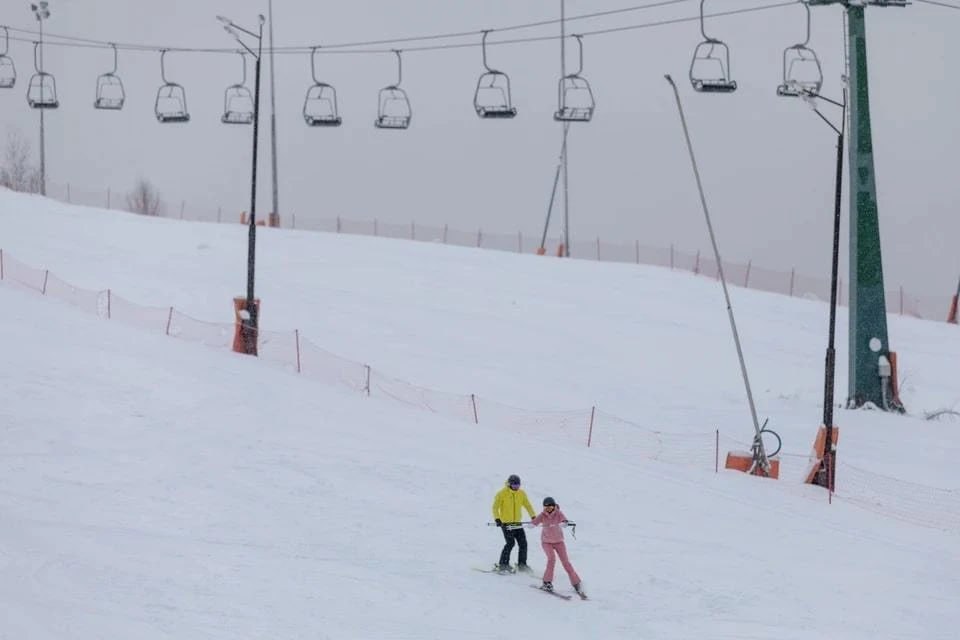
[(514, 536)]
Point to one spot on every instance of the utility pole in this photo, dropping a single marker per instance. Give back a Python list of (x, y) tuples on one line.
[(566, 129), (42, 12), (250, 323), (273, 118), (828, 466), (868, 340)]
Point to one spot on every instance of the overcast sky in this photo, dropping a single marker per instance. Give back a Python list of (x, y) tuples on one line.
[(767, 162)]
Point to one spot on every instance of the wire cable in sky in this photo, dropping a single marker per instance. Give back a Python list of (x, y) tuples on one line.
[(344, 45), (352, 48), (939, 4)]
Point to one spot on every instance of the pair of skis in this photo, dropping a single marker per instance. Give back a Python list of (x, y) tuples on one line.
[(508, 572), (513, 571), (565, 596)]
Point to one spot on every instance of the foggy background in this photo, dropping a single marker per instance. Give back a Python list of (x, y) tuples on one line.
[(767, 162)]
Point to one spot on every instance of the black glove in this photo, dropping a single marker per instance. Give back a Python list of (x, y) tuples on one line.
[(499, 522)]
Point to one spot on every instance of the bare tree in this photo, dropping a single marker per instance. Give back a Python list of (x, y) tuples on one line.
[(17, 172), (145, 199)]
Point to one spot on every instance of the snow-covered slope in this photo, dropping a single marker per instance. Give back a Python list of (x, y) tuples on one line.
[(153, 488)]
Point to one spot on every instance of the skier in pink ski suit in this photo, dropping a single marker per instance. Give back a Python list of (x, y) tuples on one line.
[(551, 538)]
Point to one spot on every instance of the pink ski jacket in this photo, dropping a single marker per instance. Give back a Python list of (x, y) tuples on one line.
[(551, 522)]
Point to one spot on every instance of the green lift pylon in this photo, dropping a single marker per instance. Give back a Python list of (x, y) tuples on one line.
[(869, 349)]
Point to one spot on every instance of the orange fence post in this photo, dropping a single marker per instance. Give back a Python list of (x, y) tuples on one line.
[(593, 411), (473, 401), (296, 335), (894, 383)]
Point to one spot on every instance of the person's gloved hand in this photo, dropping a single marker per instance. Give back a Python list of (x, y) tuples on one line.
[(499, 522)]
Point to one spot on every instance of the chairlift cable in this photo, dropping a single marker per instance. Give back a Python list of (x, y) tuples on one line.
[(440, 36), (939, 4), (351, 48)]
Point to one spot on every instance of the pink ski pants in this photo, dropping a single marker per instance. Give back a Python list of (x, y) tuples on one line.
[(554, 549)]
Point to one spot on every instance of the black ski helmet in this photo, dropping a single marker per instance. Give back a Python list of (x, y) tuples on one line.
[(513, 479), (549, 502)]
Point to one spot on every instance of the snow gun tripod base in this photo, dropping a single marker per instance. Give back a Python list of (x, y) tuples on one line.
[(744, 461), (751, 462)]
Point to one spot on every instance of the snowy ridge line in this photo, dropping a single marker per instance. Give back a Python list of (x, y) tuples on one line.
[(749, 276), (919, 504)]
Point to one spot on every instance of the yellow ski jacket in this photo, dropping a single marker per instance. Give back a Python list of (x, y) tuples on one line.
[(507, 504)]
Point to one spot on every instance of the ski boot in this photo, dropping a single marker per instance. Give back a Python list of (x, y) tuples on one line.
[(524, 568), (547, 586)]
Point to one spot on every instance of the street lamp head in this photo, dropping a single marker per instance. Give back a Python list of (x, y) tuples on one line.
[(40, 10), (262, 19)]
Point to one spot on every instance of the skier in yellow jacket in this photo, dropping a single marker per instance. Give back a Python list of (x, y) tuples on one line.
[(507, 505)]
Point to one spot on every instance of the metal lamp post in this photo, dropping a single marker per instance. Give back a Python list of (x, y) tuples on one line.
[(249, 326), (827, 472), (42, 12)]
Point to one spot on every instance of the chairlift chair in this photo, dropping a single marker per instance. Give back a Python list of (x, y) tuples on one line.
[(393, 108), (492, 97), (8, 71), (320, 103), (171, 102), (110, 93), (237, 100), (710, 66), (42, 90), (575, 101), (802, 73)]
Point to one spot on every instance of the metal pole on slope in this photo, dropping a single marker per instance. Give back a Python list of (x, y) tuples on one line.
[(273, 119), (251, 321), (42, 11), (566, 129), (759, 449), (829, 464), (553, 194)]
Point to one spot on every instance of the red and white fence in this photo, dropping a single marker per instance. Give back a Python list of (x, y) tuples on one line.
[(591, 427)]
